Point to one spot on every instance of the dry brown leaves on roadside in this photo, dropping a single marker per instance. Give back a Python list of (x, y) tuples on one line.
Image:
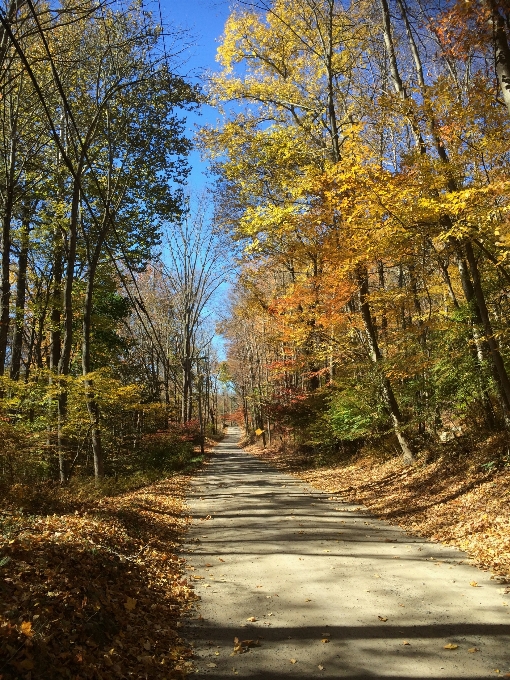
[(96, 594), (448, 501)]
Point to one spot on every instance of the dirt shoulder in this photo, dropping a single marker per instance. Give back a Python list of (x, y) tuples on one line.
[(454, 501)]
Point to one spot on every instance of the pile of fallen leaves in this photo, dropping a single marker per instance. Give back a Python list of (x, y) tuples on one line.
[(455, 500), (95, 592)]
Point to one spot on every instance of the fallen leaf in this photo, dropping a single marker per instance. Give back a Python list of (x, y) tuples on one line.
[(474, 584), (450, 645), (324, 640), (251, 618), (26, 628), (472, 650), (293, 660), (382, 618), (320, 667), (250, 643), (130, 604)]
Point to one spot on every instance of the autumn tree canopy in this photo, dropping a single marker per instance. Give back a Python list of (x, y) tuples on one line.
[(92, 190), (362, 168)]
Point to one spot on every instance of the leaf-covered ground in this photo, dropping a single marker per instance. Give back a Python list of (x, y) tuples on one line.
[(457, 499), (95, 591)]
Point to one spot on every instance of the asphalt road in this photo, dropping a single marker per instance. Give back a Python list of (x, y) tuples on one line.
[(327, 590)]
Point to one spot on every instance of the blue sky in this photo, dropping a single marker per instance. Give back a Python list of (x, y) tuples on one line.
[(205, 20)]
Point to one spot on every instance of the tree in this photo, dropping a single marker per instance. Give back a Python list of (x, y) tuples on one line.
[(195, 271), (358, 245)]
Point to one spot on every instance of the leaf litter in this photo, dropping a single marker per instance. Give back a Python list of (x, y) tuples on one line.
[(96, 590)]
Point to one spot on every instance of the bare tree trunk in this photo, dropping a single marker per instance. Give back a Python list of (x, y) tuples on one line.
[(21, 284), (376, 357), (502, 51), (65, 354), (200, 414), (92, 406), (56, 305), (396, 79), (497, 360), (330, 53), (5, 247)]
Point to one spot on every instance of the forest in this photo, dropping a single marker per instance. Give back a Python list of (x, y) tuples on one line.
[(362, 172), (340, 290), (108, 264), (360, 186)]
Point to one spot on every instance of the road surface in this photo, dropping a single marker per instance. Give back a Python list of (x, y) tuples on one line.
[(324, 590)]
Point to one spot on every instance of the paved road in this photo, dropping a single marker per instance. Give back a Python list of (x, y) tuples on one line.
[(335, 593)]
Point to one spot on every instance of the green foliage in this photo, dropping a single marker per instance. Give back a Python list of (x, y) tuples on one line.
[(351, 416), (165, 453), (140, 443)]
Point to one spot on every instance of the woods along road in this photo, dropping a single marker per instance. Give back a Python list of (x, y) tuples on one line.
[(312, 587)]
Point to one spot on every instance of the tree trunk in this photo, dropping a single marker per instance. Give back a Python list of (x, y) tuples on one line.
[(376, 357), (5, 291), (502, 51), (92, 406), (65, 354), (5, 246), (21, 284), (330, 53), (201, 414), (56, 305), (497, 360), (397, 80)]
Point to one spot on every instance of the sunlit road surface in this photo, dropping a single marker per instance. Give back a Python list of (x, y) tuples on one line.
[(325, 589)]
